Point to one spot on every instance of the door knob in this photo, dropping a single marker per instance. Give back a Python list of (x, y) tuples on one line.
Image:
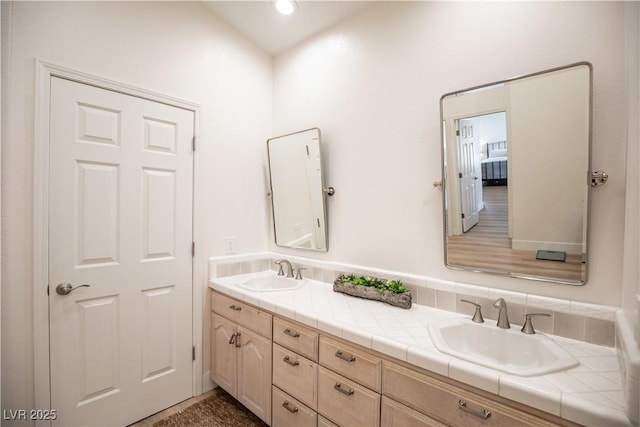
[(66, 288)]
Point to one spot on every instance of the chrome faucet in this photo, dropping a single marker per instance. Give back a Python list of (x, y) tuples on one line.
[(503, 317), (289, 267)]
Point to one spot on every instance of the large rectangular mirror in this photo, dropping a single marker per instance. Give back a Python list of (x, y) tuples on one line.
[(297, 190), (516, 175)]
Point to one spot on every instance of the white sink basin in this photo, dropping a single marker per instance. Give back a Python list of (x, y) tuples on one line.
[(269, 281), (507, 350)]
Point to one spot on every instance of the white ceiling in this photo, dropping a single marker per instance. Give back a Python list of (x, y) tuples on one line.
[(275, 33)]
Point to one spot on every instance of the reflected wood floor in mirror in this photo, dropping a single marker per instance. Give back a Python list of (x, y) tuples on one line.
[(487, 246)]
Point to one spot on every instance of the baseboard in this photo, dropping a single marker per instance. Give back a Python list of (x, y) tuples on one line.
[(531, 245)]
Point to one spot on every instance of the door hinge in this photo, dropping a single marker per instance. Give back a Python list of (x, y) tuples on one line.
[(307, 147), (47, 289), (459, 174), (318, 219), (193, 353), (193, 248), (462, 216), (457, 132), (193, 144)]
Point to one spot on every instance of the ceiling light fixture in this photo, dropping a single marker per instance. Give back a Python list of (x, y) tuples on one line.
[(286, 7)]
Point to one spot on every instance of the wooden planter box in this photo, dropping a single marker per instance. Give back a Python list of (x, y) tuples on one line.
[(368, 292)]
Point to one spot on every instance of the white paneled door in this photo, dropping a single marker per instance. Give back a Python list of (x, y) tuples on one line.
[(469, 173), (120, 221)]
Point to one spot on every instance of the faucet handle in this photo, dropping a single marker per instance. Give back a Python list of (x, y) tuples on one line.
[(527, 328), (299, 272), (477, 316), (280, 270)]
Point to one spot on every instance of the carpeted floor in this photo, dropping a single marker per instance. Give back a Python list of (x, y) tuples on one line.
[(218, 410)]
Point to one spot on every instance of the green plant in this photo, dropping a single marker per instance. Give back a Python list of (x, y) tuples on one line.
[(395, 286)]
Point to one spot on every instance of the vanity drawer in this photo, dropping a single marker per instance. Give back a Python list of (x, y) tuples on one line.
[(297, 338), (449, 404), (345, 402), (288, 412), (350, 362), (394, 414), (323, 422), (241, 313), (296, 375)]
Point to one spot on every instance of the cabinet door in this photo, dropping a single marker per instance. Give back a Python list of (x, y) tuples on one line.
[(254, 373), (223, 354)]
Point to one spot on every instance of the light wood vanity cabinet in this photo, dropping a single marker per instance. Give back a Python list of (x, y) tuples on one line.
[(241, 356), (322, 381)]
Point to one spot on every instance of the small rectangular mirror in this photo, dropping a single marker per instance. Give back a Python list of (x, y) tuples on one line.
[(516, 175), (297, 190)]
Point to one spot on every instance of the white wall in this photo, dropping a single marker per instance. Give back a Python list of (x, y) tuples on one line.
[(372, 84), (548, 160), (178, 49)]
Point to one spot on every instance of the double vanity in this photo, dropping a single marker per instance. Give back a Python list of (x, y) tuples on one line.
[(296, 353)]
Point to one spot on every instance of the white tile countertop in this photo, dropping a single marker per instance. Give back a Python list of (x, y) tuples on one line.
[(589, 394)]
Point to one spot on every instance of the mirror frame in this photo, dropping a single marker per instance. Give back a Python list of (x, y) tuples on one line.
[(323, 194), (444, 185)]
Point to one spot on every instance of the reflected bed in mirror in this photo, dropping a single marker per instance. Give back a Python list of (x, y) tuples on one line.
[(297, 190), (516, 175)]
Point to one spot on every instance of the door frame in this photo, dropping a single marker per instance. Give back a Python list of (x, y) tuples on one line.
[(44, 72)]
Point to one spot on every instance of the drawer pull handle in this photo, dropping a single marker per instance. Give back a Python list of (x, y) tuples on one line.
[(484, 414), (348, 392), (291, 333), (347, 357), (286, 405), (290, 362), (235, 307), (235, 339)]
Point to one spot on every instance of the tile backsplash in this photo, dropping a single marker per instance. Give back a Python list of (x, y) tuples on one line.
[(572, 319)]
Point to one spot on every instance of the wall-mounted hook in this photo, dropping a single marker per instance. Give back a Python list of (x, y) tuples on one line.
[(437, 184), (329, 190), (599, 178)]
